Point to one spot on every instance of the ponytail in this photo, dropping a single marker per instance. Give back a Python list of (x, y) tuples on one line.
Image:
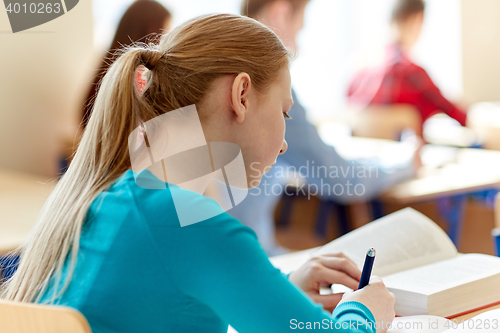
[(181, 69), (99, 161)]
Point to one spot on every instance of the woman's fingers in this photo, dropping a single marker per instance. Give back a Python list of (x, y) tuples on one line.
[(329, 301), (342, 264), (338, 255), (332, 276)]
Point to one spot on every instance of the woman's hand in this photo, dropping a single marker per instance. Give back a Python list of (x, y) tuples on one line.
[(378, 299), (326, 269)]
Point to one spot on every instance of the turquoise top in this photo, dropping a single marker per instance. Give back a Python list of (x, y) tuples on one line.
[(138, 270)]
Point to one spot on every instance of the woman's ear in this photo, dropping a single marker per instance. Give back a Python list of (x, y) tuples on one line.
[(240, 93)]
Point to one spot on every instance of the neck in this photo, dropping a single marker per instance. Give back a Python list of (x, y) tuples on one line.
[(404, 46), (401, 37)]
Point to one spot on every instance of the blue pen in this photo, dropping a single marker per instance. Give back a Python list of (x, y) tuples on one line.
[(367, 268)]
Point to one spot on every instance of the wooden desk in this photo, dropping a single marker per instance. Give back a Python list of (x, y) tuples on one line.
[(469, 170), (21, 199), (448, 173), (446, 170)]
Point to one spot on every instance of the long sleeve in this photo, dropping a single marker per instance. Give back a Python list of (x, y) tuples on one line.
[(138, 270), (432, 99), (220, 263), (306, 150)]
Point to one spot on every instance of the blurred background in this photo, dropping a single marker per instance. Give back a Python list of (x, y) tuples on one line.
[(44, 69)]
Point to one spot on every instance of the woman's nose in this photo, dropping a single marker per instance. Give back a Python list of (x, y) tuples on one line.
[(284, 147)]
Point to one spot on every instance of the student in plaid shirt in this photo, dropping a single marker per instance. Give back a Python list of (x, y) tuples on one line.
[(398, 80)]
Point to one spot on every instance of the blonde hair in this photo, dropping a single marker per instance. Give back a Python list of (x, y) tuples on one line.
[(184, 65)]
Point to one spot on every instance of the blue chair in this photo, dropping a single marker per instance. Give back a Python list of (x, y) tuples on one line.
[(8, 266), (326, 207), (495, 233)]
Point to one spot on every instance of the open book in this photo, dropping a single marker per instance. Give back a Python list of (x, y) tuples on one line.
[(419, 263), (487, 322)]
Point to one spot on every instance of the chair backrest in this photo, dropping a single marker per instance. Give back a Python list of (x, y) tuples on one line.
[(384, 121), (18, 317)]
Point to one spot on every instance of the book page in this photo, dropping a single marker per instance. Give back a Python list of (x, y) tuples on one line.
[(403, 240), (486, 322), (445, 274), (420, 324)]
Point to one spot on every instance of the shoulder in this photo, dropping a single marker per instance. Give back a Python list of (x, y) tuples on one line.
[(164, 204), (417, 69), (419, 76)]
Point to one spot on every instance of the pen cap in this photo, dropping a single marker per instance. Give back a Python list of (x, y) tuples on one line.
[(371, 252)]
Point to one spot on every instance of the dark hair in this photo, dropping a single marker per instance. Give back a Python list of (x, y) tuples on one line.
[(403, 9), (252, 8), (143, 19)]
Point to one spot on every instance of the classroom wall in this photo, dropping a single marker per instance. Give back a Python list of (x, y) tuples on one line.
[(481, 50), (43, 71)]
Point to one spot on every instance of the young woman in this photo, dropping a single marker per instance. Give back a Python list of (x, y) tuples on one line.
[(117, 252)]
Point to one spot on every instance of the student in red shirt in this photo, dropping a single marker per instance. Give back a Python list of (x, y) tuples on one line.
[(398, 80)]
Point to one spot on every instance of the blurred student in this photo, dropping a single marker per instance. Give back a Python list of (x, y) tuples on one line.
[(118, 253), (141, 22), (397, 80), (307, 153)]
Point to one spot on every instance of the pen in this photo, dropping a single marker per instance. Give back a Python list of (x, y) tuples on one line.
[(367, 268)]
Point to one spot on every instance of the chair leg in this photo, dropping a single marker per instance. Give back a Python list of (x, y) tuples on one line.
[(377, 209), (486, 196), (322, 218), (452, 210), (286, 210), (343, 219), (495, 234), (324, 211)]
